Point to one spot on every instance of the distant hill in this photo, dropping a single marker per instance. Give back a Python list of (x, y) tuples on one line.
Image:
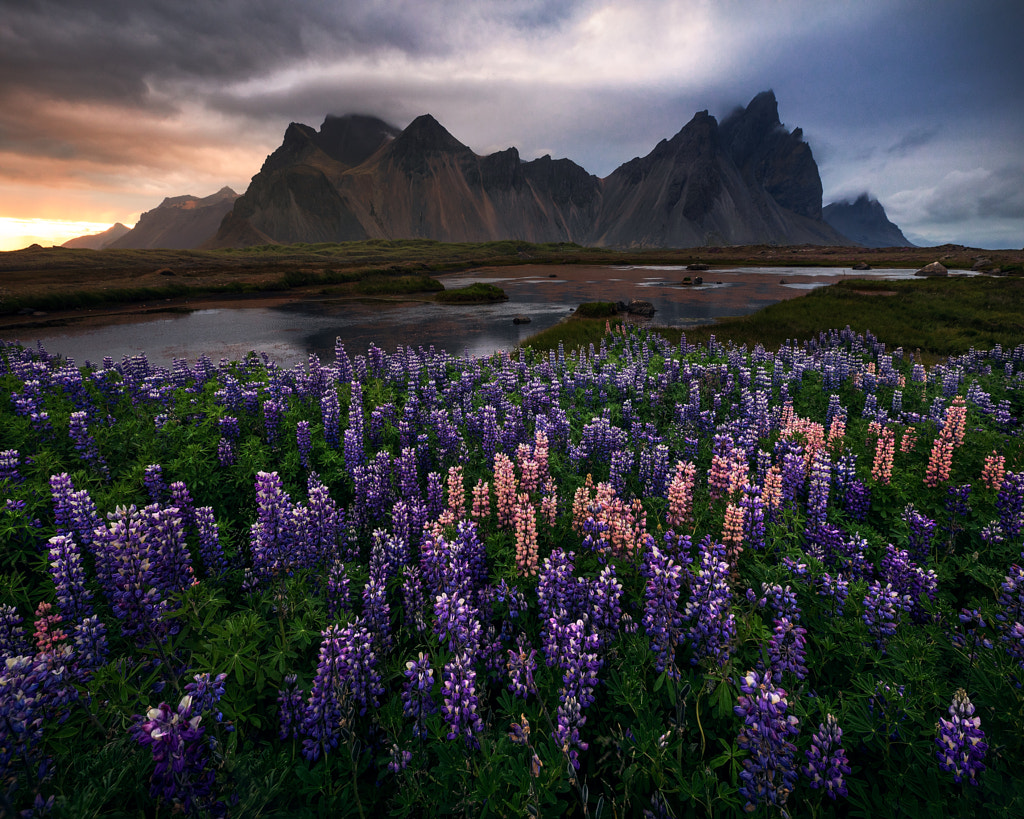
[(746, 181), (864, 221), (179, 222), (98, 241)]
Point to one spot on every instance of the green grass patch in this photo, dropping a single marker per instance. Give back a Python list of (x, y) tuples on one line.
[(597, 309), (397, 285), (938, 316), (472, 294)]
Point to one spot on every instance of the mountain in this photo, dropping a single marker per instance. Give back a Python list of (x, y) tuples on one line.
[(864, 221), (746, 181), (179, 222), (97, 241)]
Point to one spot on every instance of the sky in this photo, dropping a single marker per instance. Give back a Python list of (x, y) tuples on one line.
[(109, 106)]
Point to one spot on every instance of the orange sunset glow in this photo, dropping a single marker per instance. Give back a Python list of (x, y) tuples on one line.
[(16, 234)]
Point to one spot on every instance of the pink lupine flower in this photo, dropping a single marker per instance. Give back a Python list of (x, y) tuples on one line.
[(456, 492), (525, 521), (909, 439), (680, 495), (481, 500), (994, 470), (505, 488), (940, 462), (881, 469)]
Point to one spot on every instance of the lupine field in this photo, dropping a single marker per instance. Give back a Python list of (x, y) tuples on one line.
[(638, 580)]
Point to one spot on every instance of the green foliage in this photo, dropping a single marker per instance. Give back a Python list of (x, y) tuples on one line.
[(474, 293)]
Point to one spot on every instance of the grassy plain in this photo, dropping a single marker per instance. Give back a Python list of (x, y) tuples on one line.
[(937, 316)]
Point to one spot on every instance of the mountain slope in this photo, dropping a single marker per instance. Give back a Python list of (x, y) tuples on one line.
[(97, 241), (179, 222)]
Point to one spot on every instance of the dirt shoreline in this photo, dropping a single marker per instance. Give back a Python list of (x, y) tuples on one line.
[(48, 273)]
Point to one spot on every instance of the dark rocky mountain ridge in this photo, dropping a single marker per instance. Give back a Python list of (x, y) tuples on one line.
[(865, 222), (748, 180)]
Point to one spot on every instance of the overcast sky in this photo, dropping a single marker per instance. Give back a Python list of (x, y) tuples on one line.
[(108, 106)]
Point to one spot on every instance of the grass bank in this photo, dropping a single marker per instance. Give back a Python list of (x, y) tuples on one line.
[(939, 317), (476, 293)]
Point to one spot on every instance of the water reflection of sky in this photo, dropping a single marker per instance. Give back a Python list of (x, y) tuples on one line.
[(289, 333)]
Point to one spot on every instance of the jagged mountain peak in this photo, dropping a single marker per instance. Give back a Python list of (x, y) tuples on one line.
[(863, 219), (746, 180), (426, 134)]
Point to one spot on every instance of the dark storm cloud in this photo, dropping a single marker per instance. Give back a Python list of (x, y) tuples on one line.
[(121, 49)]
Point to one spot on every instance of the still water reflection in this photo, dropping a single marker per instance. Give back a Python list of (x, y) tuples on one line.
[(545, 294)]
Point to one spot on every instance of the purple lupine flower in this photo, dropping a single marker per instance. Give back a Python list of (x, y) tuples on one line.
[(1010, 505), (210, 550), (818, 489), (708, 610), (289, 708), (921, 530), (126, 567), (460, 700), (73, 597), (225, 452), (857, 500), (662, 619), (522, 663), (34, 690), (153, 479), (271, 536), (753, 517), (826, 759), (337, 590), (909, 581), (837, 588), (304, 442), (182, 499), (961, 741), (330, 411), (787, 649), (9, 462), (882, 608), (417, 699), (769, 773), (1011, 613), (184, 774), (206, 692), (346, 678), (377, 611), (605, 604), (91, 647), (84, 443), (414, 602), (457, 623), (13, 642)]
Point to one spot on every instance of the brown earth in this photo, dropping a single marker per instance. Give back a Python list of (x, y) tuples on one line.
[(130, 280)]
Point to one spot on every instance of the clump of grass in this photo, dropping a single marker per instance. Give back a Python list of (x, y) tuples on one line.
[(397, 285), (472, 294), (597, 309)]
